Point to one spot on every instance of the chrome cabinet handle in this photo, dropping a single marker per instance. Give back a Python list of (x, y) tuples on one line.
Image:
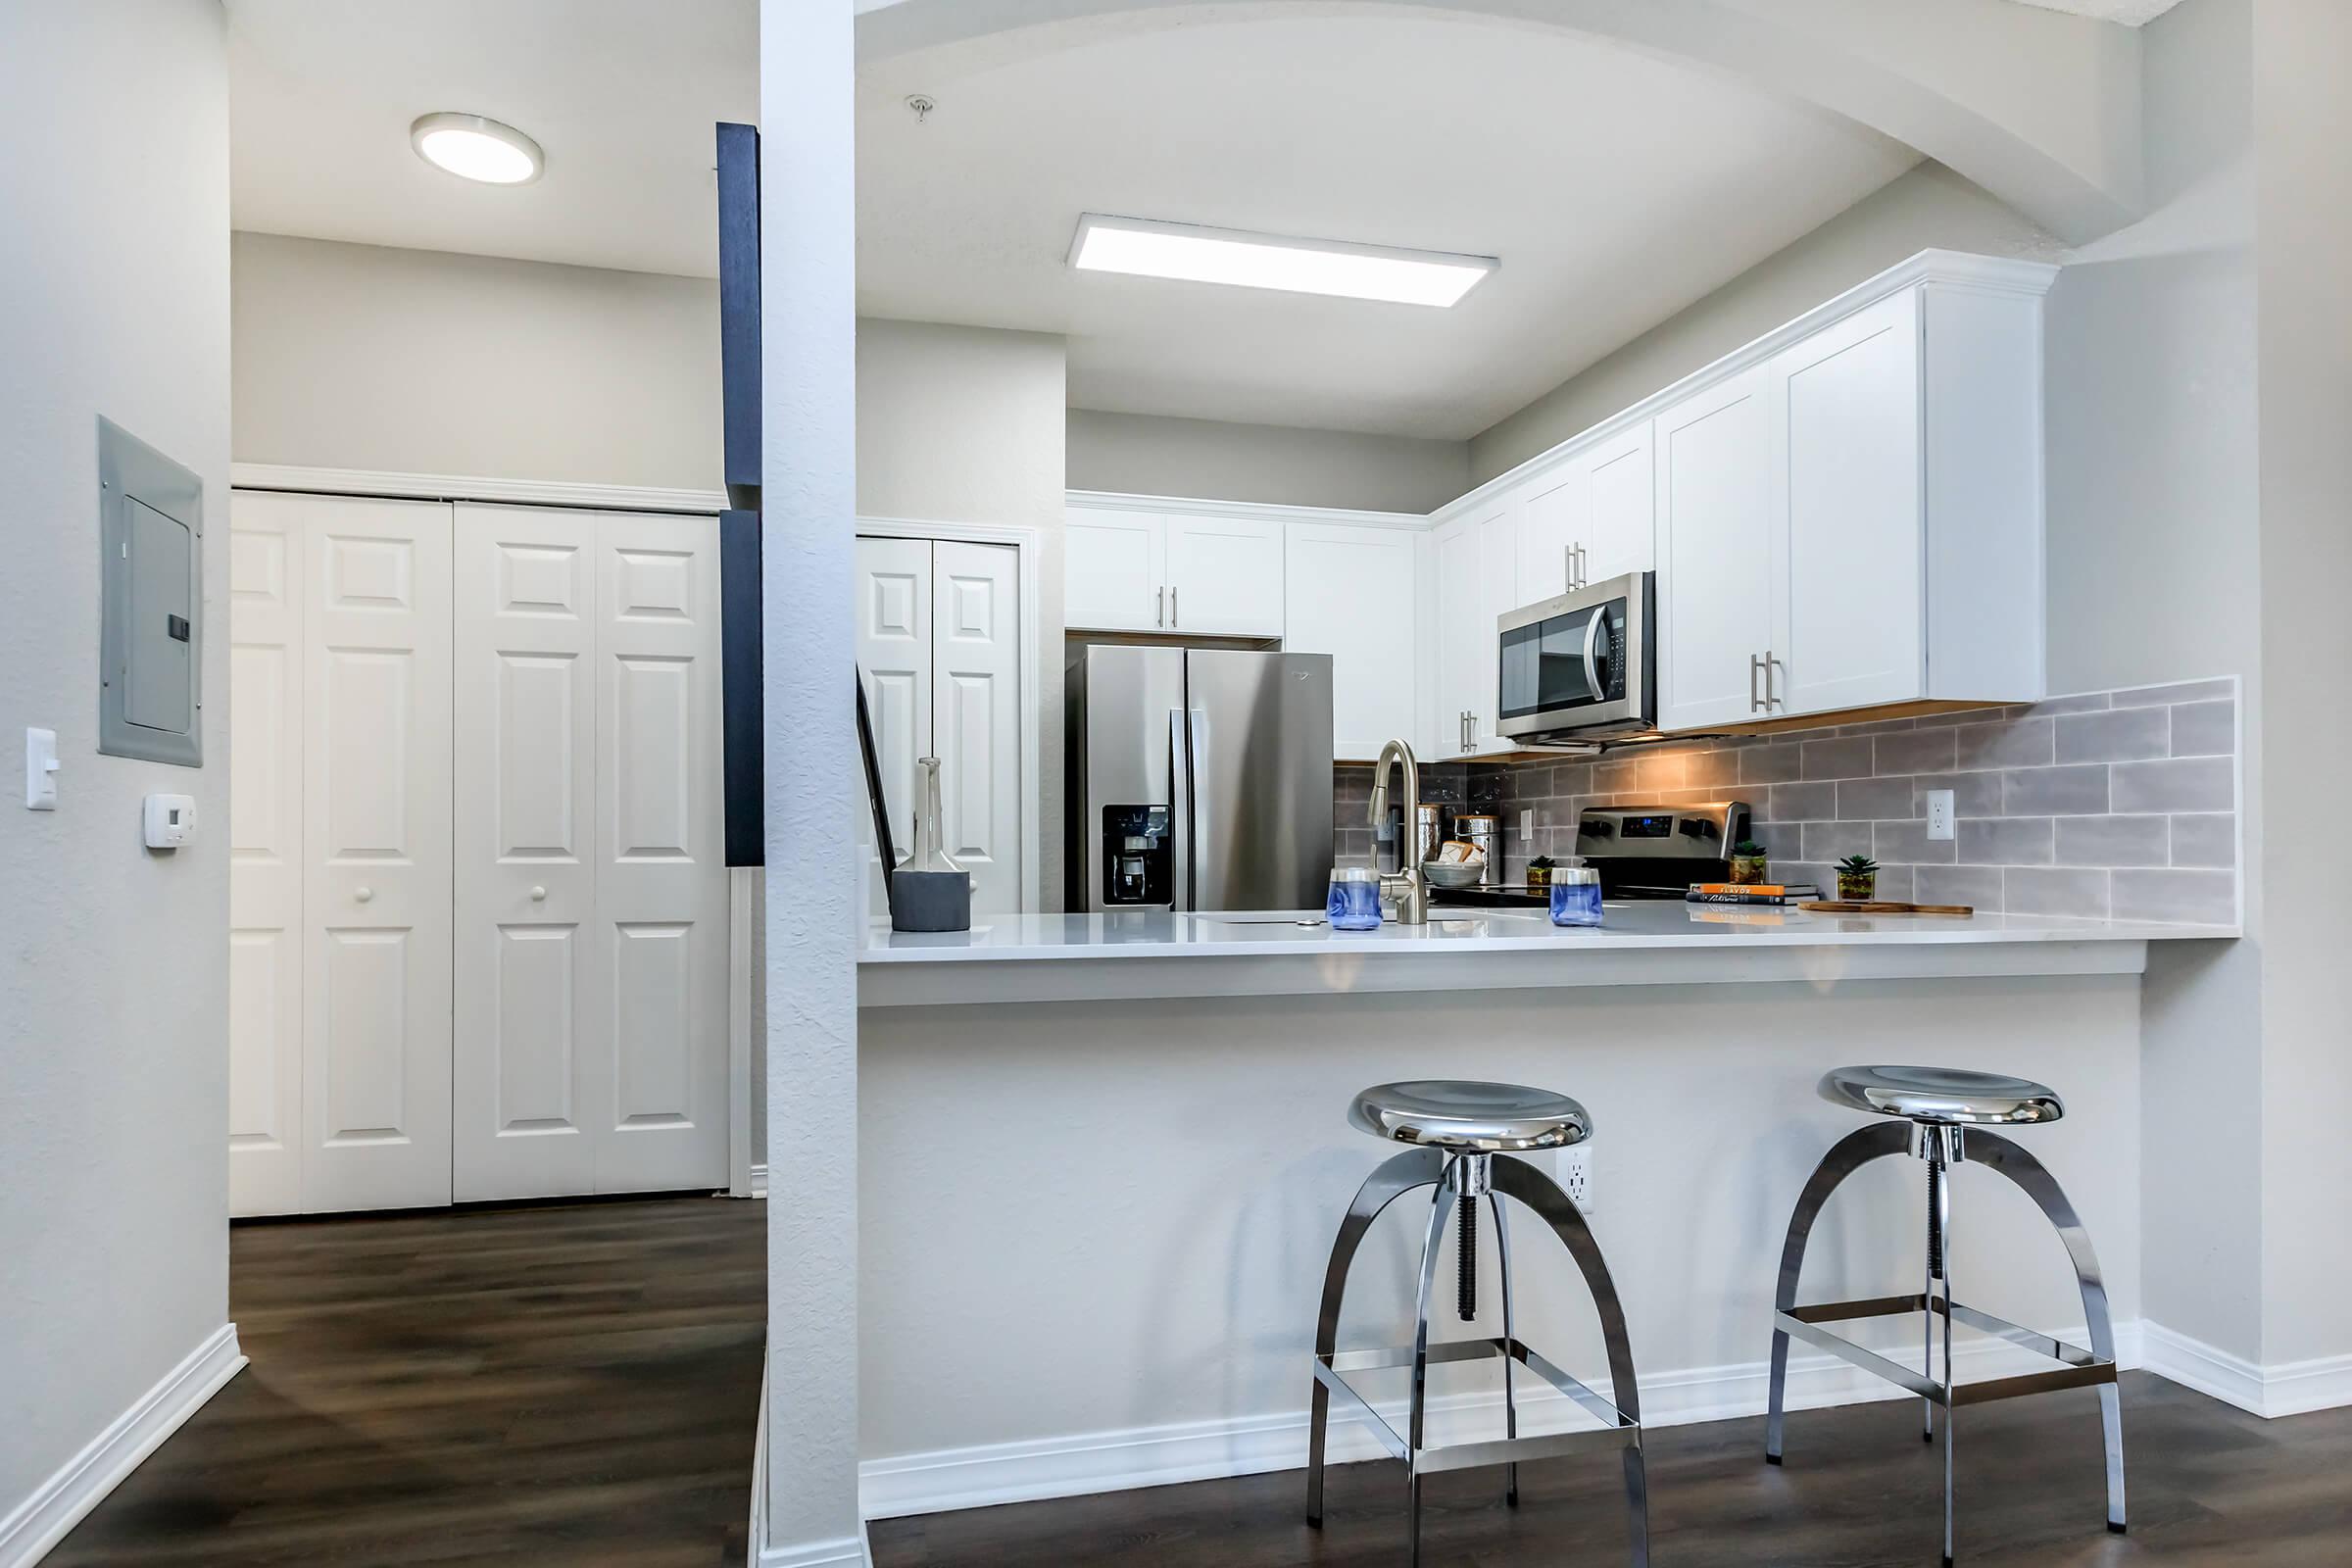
[(1770, 664), (1756, 667), (1159, 607), (1173, 618)]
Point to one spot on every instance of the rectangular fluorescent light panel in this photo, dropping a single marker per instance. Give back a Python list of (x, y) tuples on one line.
[(1193, 253)]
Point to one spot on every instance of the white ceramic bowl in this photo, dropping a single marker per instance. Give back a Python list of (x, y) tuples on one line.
[(1454, 873)]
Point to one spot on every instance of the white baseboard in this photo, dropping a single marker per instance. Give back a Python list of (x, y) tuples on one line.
[(2292, 1388), (758, 1179), (42, 1520), (986, 1475), (849, 1551)]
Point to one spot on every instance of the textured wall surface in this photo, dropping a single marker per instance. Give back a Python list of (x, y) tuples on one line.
[(113, 960)]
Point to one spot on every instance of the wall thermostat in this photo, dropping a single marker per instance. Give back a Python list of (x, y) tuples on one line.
[(170, 820)]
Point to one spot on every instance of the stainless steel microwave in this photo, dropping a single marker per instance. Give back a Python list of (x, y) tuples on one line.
[(1581, 666)]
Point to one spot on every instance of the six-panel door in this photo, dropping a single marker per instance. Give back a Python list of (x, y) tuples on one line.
[(377, 853)]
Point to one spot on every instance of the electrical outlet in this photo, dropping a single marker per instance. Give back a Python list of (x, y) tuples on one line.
[(1939, 814), (1576, 1175), (1527, 824)]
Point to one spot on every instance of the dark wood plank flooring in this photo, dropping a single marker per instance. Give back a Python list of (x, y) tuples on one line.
[(2208, 1485), (575, 1385)]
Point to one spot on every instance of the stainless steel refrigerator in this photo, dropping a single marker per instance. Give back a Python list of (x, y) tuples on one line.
[(1198, 779)]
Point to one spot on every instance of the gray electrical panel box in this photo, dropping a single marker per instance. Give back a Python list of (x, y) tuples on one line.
[(151, 627)]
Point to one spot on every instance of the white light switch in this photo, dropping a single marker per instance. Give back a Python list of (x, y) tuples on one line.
[(41, 771), (1939, 814)]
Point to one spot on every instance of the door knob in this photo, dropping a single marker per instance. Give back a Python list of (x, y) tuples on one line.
[(363, 894), (538, 895)]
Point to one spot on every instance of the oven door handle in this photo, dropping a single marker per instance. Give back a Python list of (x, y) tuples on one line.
[(1593, 628)]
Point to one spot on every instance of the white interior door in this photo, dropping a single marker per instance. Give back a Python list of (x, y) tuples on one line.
[(376, 897), (529, 1032), (895, 632), (976, 716), (661, 919), (264, 853)]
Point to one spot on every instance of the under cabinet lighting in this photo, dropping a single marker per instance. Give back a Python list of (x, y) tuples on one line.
[(472, 147), (1193, 253)]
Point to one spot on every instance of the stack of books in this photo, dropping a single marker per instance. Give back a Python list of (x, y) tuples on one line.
[(1769, 893)]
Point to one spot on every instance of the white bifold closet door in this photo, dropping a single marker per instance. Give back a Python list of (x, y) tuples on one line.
[(590, 1030), (340, 911), (939, 629)]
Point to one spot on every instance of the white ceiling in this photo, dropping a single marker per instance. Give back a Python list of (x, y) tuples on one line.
[(621, 94), (1616, 187), (2131, 13)]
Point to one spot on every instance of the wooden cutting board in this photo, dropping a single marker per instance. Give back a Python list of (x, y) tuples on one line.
[(1844, 906)]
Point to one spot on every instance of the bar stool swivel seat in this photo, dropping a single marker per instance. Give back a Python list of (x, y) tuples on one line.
[(1944, 1116), (1464, 1137)]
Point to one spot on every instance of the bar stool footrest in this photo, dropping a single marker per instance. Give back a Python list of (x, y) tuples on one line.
[(1617, 1431), (2079, 1368)]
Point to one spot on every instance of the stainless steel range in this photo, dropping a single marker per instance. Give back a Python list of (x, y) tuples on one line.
[(1656, 851)]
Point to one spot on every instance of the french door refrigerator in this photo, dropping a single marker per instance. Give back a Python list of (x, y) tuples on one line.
[(1198, 779)]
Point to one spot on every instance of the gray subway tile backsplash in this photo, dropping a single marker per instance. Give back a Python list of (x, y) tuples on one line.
[(2118, 735), (2122, 802)]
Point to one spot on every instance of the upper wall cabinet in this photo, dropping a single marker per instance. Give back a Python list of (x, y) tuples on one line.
[(1590, 518), (1855, 522), (1351, 593), (1132, 570)]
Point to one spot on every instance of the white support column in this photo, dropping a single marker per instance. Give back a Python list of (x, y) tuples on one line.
[(808, 348)]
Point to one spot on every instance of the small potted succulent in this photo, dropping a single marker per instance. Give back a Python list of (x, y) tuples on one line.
[(1748, 862), (1858, 878), (1539, 872)]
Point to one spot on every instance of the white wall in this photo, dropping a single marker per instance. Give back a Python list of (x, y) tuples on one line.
[(1142, 454), (965, 424), (2303, 138), (114, 961), (1930, 206), (421, 362), (806, 1503), (1147, 1248)]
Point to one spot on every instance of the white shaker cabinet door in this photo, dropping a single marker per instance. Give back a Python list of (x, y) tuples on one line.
[(976, 716), (1557, 522), (530, 1037), (1459, 598), (1853, 632), (1224, 576), (1351, 593), (376, 894), (266, 867), (661, 924), (1718, 512), (1497, 531), (1620, 505), (1115, 571)]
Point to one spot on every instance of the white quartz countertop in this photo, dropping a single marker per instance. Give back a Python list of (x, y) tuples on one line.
[(1080, 957)]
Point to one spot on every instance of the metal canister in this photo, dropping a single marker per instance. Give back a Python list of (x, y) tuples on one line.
[(1429, 833), (1486, 832)]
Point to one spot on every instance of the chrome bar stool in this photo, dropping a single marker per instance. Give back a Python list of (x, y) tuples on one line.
[(1464, 1135), (1950, 1112)]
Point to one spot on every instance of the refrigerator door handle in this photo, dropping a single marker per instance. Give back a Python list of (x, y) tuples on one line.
[(1180, 802), (1197, 761)]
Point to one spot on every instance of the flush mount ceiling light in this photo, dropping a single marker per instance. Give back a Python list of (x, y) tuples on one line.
[(472, 147), (1193, 253)]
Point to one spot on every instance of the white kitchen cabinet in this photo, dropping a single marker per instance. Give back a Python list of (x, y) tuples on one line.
[(1855, 522), (1475, 561), (1184, 573), (1224, 576), (1115, 568), (1719, 528), (1351, 593), (1590, 518), (1498, 596)]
